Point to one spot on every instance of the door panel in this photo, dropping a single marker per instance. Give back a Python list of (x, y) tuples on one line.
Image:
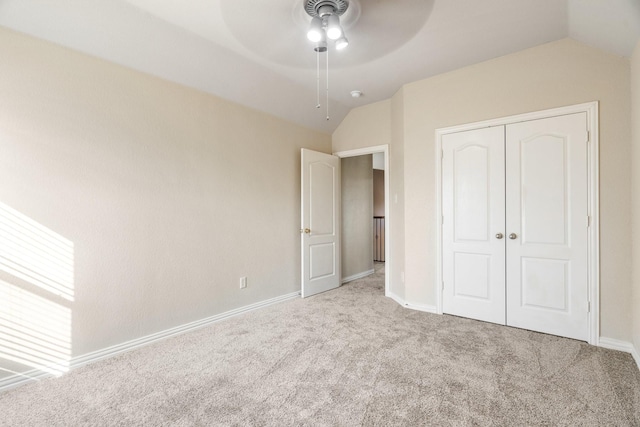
[(543, 182), (322, 179), (544, 284), (320, 237), (472, 181), (322, 260), (546, 206), (473, 210), (476, 280)]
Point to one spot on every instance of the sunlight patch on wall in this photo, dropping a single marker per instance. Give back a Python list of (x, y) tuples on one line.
[(35, 254), (34, 331), (35, 324)]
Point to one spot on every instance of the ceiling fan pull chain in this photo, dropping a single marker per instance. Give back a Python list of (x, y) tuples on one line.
[(327, 84), (317, 78)]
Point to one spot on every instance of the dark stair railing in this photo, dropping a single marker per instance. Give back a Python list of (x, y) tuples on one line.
[(378, 238)]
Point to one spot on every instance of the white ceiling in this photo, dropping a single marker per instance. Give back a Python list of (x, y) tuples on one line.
[(255, 52)]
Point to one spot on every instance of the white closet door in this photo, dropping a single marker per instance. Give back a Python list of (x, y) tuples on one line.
[(546, 202), (473, 209)]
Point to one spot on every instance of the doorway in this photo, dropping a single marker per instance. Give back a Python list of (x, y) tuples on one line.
[(381, 152), (379, 219)]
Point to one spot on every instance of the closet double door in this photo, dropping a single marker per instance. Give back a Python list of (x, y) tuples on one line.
[(515, 225)]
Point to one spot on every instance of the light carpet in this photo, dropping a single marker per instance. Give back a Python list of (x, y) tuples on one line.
[(349, 357)]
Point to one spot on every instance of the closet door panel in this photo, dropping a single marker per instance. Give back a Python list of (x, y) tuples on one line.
[(546, 211), (473, 210)]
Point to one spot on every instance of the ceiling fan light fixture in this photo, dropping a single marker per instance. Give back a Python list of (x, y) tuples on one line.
[(315, 33), (325, 9), (341, 43), (325, 24)]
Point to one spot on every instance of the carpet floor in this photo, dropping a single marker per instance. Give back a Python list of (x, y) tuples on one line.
[(349, 357)]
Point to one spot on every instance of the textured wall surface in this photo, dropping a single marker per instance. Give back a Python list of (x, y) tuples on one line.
[(378, 192), (161, 198)]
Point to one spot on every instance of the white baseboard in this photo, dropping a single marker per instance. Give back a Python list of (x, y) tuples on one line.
[(395, 297), (357, 276), (34, 375), (412, 306), (614, 344), (620, 345)]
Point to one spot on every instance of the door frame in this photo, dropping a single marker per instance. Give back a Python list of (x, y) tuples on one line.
[(387, 245), (593, 211)]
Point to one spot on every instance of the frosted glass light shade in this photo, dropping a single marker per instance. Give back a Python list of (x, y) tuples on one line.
[(341, 43), (315, 33), (334, 30)]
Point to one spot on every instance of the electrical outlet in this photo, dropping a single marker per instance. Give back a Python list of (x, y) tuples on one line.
[(243, 282)]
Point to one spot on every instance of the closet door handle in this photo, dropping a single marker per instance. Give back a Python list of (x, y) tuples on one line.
[(513, 236), (499, 236)]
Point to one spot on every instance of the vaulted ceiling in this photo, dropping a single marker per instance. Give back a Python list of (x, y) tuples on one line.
[(255, 52)]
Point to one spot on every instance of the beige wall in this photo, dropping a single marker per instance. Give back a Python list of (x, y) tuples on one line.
[(366, 126), (635, 161), (357, 215), (548, 76), (378, 192), (168, 195)]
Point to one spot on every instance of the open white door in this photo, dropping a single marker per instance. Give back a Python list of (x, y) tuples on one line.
[(320, 227)]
